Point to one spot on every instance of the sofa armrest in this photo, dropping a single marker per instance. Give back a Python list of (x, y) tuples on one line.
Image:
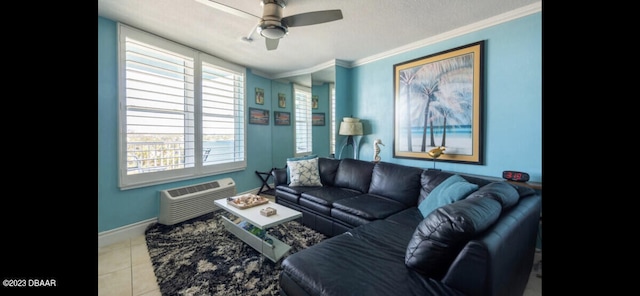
[(279, 177), (499, 262)]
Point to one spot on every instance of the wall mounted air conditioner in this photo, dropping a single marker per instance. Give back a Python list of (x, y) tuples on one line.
[(183, 203)]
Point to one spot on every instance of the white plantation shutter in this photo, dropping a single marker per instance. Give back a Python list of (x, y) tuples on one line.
[(159, 107), (181, 112), (222, 115), (303, 142)]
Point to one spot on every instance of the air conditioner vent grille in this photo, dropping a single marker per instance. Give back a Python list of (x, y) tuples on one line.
[(181, 204), (193, 189)]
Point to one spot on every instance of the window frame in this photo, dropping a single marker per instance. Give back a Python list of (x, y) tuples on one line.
[(332, 119), (308, 122), (198, 170)]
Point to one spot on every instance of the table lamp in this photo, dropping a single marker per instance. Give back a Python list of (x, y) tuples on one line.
[(350, 127)]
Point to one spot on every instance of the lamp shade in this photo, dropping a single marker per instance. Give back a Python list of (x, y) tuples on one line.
[(350, 127)]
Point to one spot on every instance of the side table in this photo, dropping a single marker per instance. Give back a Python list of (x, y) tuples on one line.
[(264, 177)]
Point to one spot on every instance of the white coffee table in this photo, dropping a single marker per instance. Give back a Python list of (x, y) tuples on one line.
[(252, 215)]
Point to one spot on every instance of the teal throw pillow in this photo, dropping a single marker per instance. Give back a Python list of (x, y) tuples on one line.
[(449, 191), (304, 172)]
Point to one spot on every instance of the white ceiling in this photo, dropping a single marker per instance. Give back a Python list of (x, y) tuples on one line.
[(369, 29)]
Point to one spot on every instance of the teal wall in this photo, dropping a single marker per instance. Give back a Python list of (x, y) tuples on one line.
[(321, 132), (512, 116), (344, 107), (282, 134), (117, 208), (512, 99)]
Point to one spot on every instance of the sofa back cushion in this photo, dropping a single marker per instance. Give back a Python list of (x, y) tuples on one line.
[(442, 234), (328, 168), (398, 182), (354, 174), (503, 192)]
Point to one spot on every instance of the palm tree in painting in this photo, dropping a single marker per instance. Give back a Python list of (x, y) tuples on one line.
[(406, 79), (455, 101), (427, 90), (444, 88)]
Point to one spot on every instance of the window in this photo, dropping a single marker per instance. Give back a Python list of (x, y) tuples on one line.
[(302, 105), (181, 112)]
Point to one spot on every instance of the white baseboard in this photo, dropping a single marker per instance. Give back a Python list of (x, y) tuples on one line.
[(125, 232), (130, 231)]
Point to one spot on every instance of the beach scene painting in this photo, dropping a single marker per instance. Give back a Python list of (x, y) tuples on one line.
[(258, 116), (282, 118), (438, 103)]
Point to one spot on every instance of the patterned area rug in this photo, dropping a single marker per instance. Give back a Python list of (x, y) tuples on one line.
[(199, 257)]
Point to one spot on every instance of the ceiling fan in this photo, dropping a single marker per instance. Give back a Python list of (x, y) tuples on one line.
[(272, 26)]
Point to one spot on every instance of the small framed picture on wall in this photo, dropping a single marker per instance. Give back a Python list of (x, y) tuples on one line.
[(317, 119), (282, 100), (281, 118), (259, 96), (314, 102), (258, 116)]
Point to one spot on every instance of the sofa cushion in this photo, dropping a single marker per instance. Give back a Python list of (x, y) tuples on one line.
[(344, 218), (296, 190), (369, 206), (450, 190), (387, 176), (363, 261), (409, 217), (328, 195), (503, 192), (442, 234), (304, 172), (328, 168), (354, 174)]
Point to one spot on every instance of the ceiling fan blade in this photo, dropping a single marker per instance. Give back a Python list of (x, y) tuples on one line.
[(228, 9), (271, 43), (312, 18)]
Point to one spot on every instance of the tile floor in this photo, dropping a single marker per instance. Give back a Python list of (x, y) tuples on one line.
[(124, 269)]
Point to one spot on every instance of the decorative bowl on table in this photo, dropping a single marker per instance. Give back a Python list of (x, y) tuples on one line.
[(247, 200)]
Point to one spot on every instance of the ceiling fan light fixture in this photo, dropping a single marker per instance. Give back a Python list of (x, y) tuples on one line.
[(272, 31)]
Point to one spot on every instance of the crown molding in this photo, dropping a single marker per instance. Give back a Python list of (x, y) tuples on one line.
[(311, 70), (499, 19)]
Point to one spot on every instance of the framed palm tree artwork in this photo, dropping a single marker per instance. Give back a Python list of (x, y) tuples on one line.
[(438, 106)]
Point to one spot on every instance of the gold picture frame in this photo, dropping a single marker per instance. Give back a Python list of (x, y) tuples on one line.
[(438, 102)]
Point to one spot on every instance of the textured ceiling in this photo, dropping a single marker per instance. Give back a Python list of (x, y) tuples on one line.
[(369, 29)]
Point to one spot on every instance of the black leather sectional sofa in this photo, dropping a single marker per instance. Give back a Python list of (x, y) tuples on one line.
[(380, 243)]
